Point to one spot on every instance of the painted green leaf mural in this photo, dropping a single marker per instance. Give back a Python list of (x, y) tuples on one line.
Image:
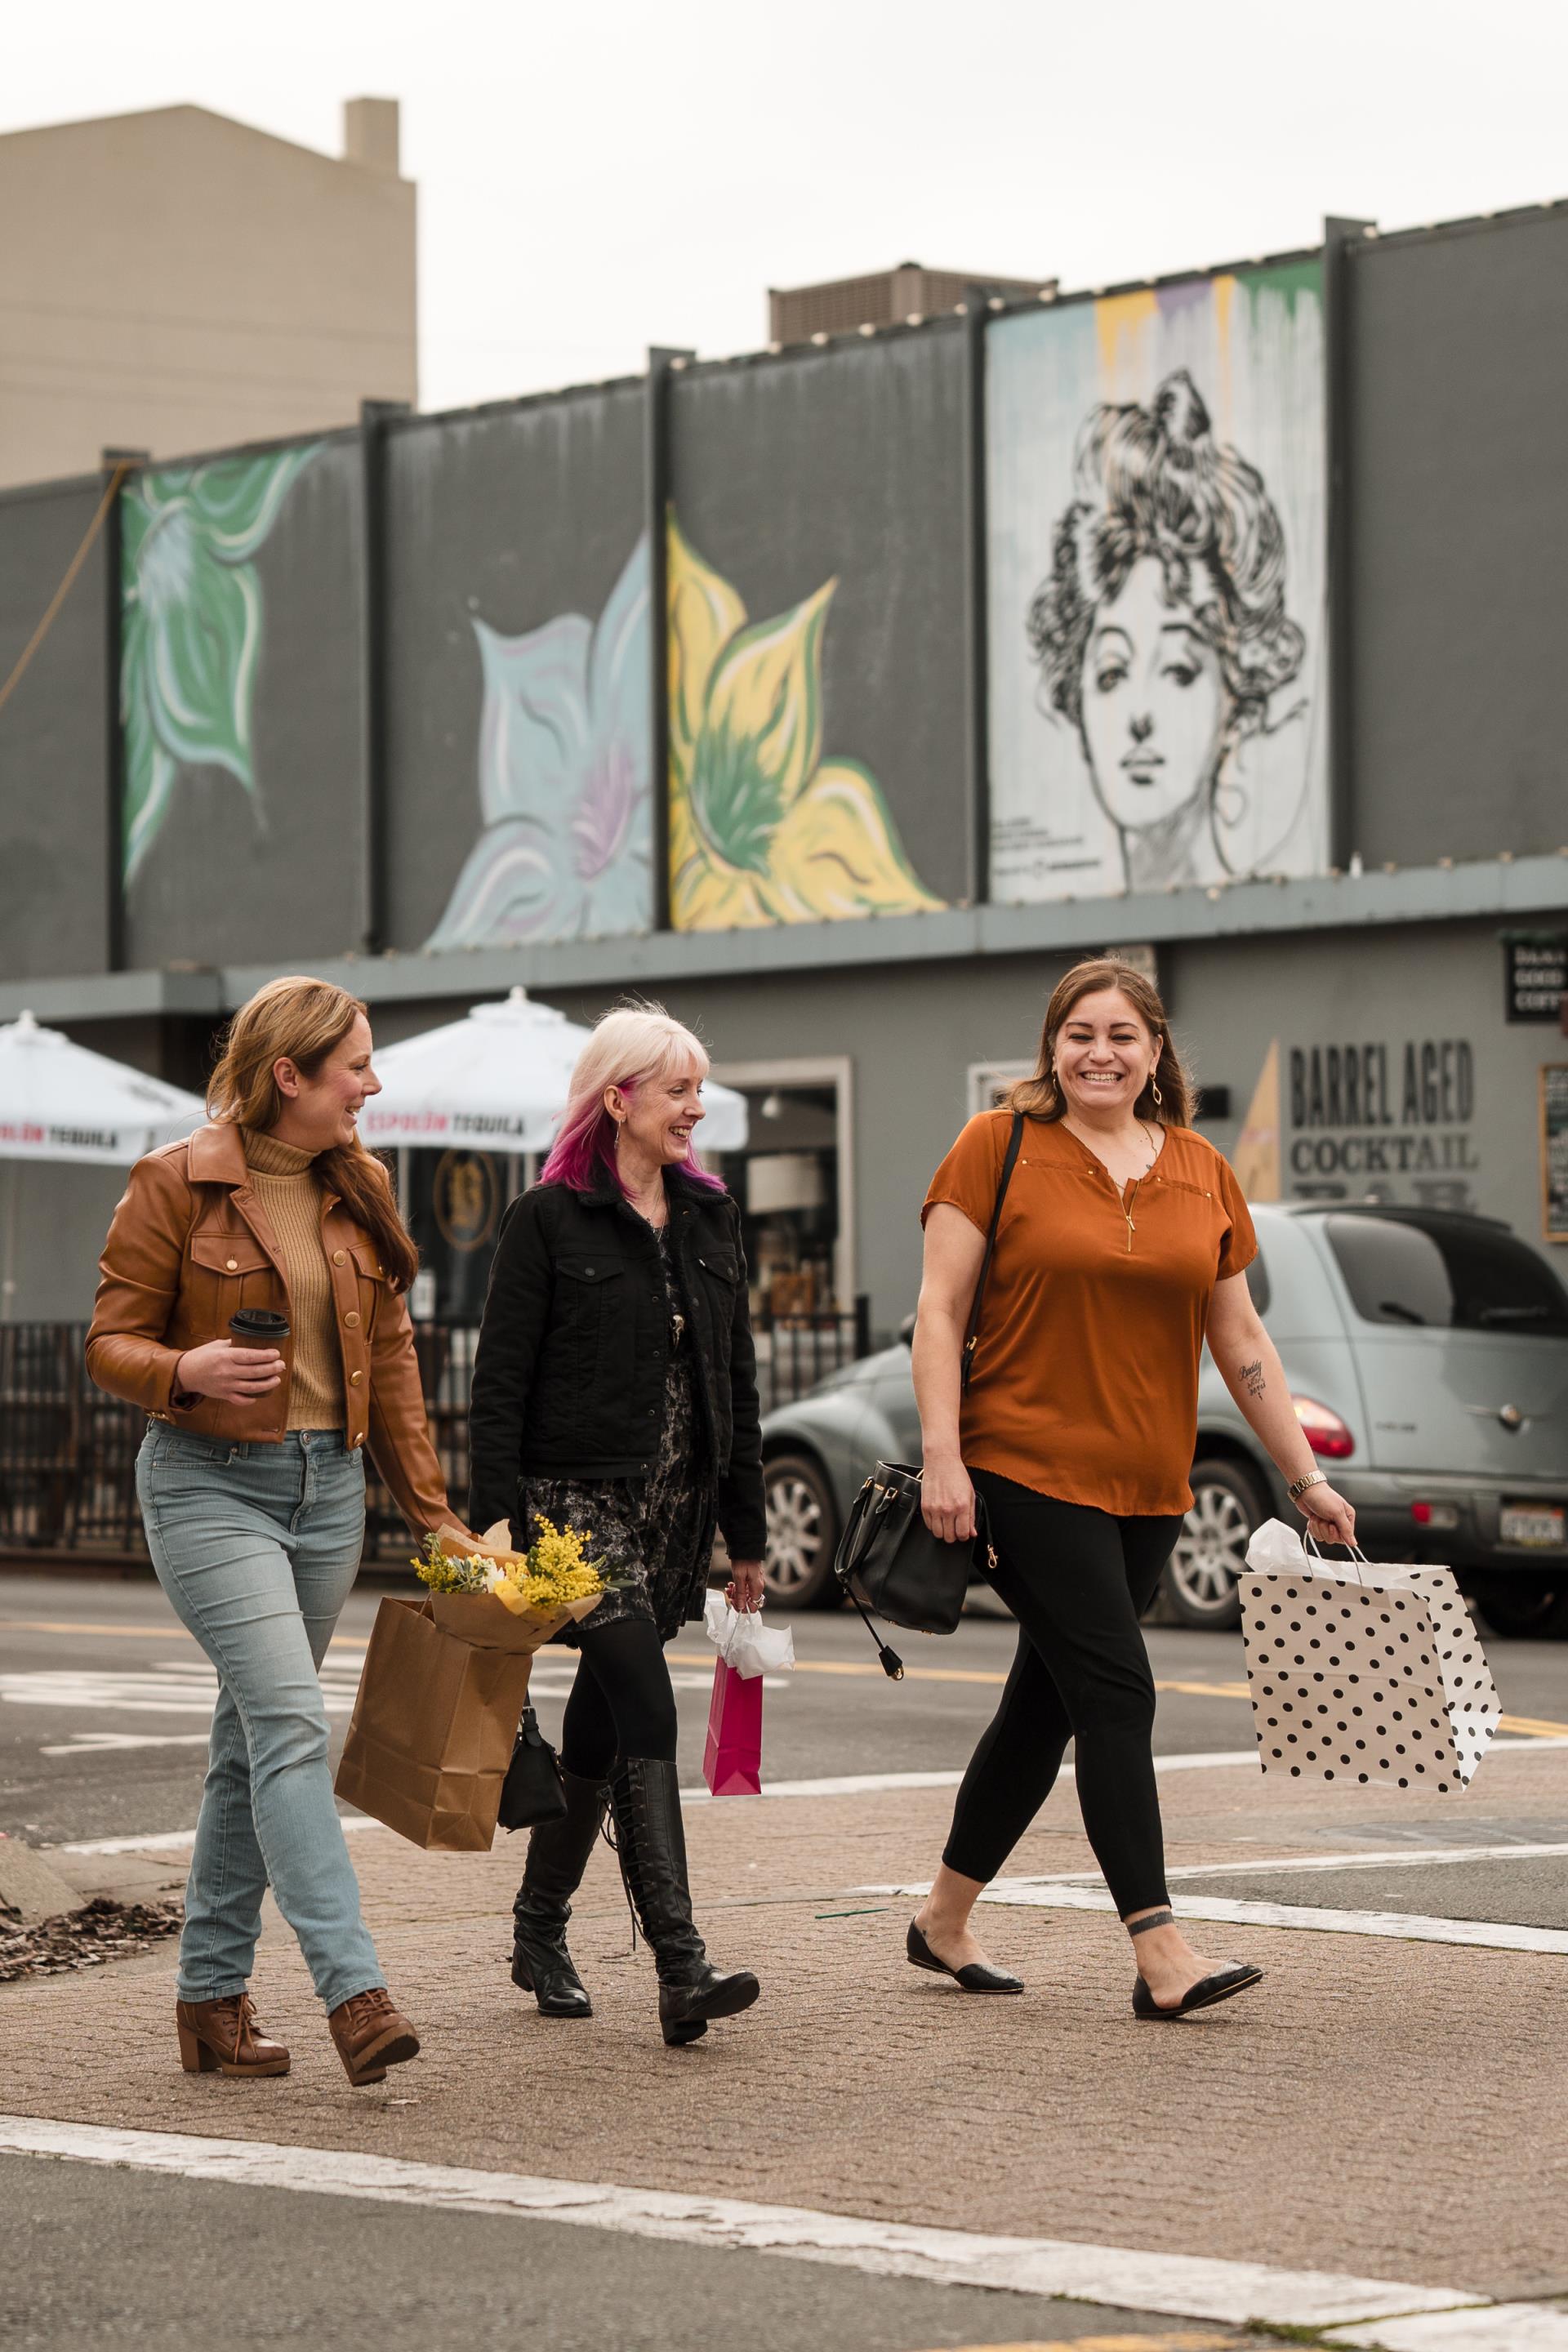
[(191, 626)]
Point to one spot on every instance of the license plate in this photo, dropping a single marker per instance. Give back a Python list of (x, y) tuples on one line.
[(1540, 1529)]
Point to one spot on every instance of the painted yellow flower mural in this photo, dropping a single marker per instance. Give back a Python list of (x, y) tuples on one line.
[(762, 829)]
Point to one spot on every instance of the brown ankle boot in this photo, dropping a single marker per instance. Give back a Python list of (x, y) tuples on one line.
[(372, 2034), (223, 2037)]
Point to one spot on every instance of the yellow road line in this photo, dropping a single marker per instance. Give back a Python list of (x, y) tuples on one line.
[(947, 1674), (1530, 1727), (122, 1632), (852, 1667), (172, 1632), (1206, 1690)]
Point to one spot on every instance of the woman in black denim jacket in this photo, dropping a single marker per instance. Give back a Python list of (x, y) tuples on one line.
[(614, 1392)]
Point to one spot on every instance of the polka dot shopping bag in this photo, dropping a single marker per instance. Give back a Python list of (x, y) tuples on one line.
[(1360, 1673)]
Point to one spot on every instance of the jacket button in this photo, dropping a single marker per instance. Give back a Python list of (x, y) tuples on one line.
[(354, 1378), (339, 1257), (233, 1265), (351, 1318), (587, 1269)]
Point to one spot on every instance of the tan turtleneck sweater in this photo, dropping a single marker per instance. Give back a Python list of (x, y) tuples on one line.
[(289, 1194)]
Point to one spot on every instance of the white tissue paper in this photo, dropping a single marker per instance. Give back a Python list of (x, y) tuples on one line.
[(745, 1641)]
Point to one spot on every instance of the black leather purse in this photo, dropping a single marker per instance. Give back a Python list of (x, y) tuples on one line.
[(888, 1559), (531, 1791)]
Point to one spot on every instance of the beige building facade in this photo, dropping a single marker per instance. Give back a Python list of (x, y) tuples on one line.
[(175, 281)]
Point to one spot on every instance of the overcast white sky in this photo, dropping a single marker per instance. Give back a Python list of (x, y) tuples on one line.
[(596, 175)]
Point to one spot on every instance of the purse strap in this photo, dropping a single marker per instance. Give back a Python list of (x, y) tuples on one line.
[(966, 1360)]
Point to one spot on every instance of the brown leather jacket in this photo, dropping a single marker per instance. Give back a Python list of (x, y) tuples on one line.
[(189, 1244)]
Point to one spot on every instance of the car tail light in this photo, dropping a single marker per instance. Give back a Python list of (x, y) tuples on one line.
[(1434, 1515), (1324, 1430)]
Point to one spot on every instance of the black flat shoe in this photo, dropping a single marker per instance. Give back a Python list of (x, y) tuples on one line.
[(1224, 1985), (973, 1978)]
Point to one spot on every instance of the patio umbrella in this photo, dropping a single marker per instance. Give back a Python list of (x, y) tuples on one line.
[(497, 1082), (58, 1101)]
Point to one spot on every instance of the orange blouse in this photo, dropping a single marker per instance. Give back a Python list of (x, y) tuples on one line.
[(1086, 1375)]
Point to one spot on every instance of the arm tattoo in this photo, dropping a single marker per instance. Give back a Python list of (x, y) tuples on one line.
[(1253, 1376)]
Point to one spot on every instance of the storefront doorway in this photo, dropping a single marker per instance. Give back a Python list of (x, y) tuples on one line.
[(795, 1184)]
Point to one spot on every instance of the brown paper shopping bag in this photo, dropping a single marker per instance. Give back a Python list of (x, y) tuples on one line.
[(436, 1713), (432, 1730)]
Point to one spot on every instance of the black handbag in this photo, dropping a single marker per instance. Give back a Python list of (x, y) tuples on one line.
[(887, 1560), (531, 1791)]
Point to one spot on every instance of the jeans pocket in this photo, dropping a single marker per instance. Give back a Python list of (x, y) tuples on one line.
[(183, 1448)]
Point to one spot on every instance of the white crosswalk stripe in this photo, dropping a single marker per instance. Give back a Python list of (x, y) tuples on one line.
[(169, 1686)]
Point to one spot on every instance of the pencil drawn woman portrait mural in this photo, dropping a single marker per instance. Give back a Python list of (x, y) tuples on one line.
[(1161, 632), (1157, 719)]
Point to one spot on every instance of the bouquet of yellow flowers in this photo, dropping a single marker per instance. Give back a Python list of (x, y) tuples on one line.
[(550, 1585), (555, 1568)]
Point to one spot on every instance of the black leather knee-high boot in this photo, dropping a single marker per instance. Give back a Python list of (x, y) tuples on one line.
[(558, 1854), (644, 1797)]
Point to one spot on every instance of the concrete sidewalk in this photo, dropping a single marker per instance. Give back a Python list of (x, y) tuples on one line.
[(1387, 2108)]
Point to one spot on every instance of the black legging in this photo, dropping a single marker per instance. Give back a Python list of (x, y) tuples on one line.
[(1078, 1581), (621, 1703)]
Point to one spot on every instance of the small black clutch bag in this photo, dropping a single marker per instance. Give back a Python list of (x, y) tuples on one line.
[(531, 1791)]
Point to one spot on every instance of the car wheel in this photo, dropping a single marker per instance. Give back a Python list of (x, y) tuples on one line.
[(1523, 1607), (803, 1534), (1211, 1550)]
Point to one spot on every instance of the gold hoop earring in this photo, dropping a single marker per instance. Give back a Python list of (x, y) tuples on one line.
[(1159, 1097)]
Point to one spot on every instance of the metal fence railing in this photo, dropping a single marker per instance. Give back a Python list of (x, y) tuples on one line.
[(68, 1452)]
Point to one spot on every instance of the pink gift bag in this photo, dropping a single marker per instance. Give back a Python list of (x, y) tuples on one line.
[(732, 1757)]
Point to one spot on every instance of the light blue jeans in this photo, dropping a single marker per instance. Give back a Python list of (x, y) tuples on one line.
[(258, 1546)]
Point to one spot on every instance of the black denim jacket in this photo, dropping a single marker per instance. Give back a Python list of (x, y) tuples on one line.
[(570, 1373)]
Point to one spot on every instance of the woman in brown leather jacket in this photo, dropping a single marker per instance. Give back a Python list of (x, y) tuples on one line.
[(251, 1480)]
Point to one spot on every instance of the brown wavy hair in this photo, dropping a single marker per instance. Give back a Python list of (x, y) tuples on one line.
[(1041, 1097), (300, 1021)]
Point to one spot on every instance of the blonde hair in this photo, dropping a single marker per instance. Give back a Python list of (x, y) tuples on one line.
[(630, 1045), (300, 1021), (1041, 1097)]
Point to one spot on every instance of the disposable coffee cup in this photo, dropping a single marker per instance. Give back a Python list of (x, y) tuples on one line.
[(257, 1327)]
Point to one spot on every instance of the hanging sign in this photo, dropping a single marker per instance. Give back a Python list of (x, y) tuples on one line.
[(1535, 975)]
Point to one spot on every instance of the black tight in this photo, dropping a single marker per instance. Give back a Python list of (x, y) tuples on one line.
[(1078, 1581), (621, 1703)]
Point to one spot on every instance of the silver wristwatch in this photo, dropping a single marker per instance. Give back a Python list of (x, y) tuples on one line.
[(1298, 1486)]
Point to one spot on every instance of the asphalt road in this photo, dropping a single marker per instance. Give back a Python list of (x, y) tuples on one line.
[(177, 2264), (105, 1700)]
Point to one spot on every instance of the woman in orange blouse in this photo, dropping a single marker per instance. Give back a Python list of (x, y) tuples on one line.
[(1121, 1247)]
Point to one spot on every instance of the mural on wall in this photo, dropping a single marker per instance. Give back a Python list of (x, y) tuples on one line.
[(1157, 574), (565, 767), (763, 829), (191, 621)]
